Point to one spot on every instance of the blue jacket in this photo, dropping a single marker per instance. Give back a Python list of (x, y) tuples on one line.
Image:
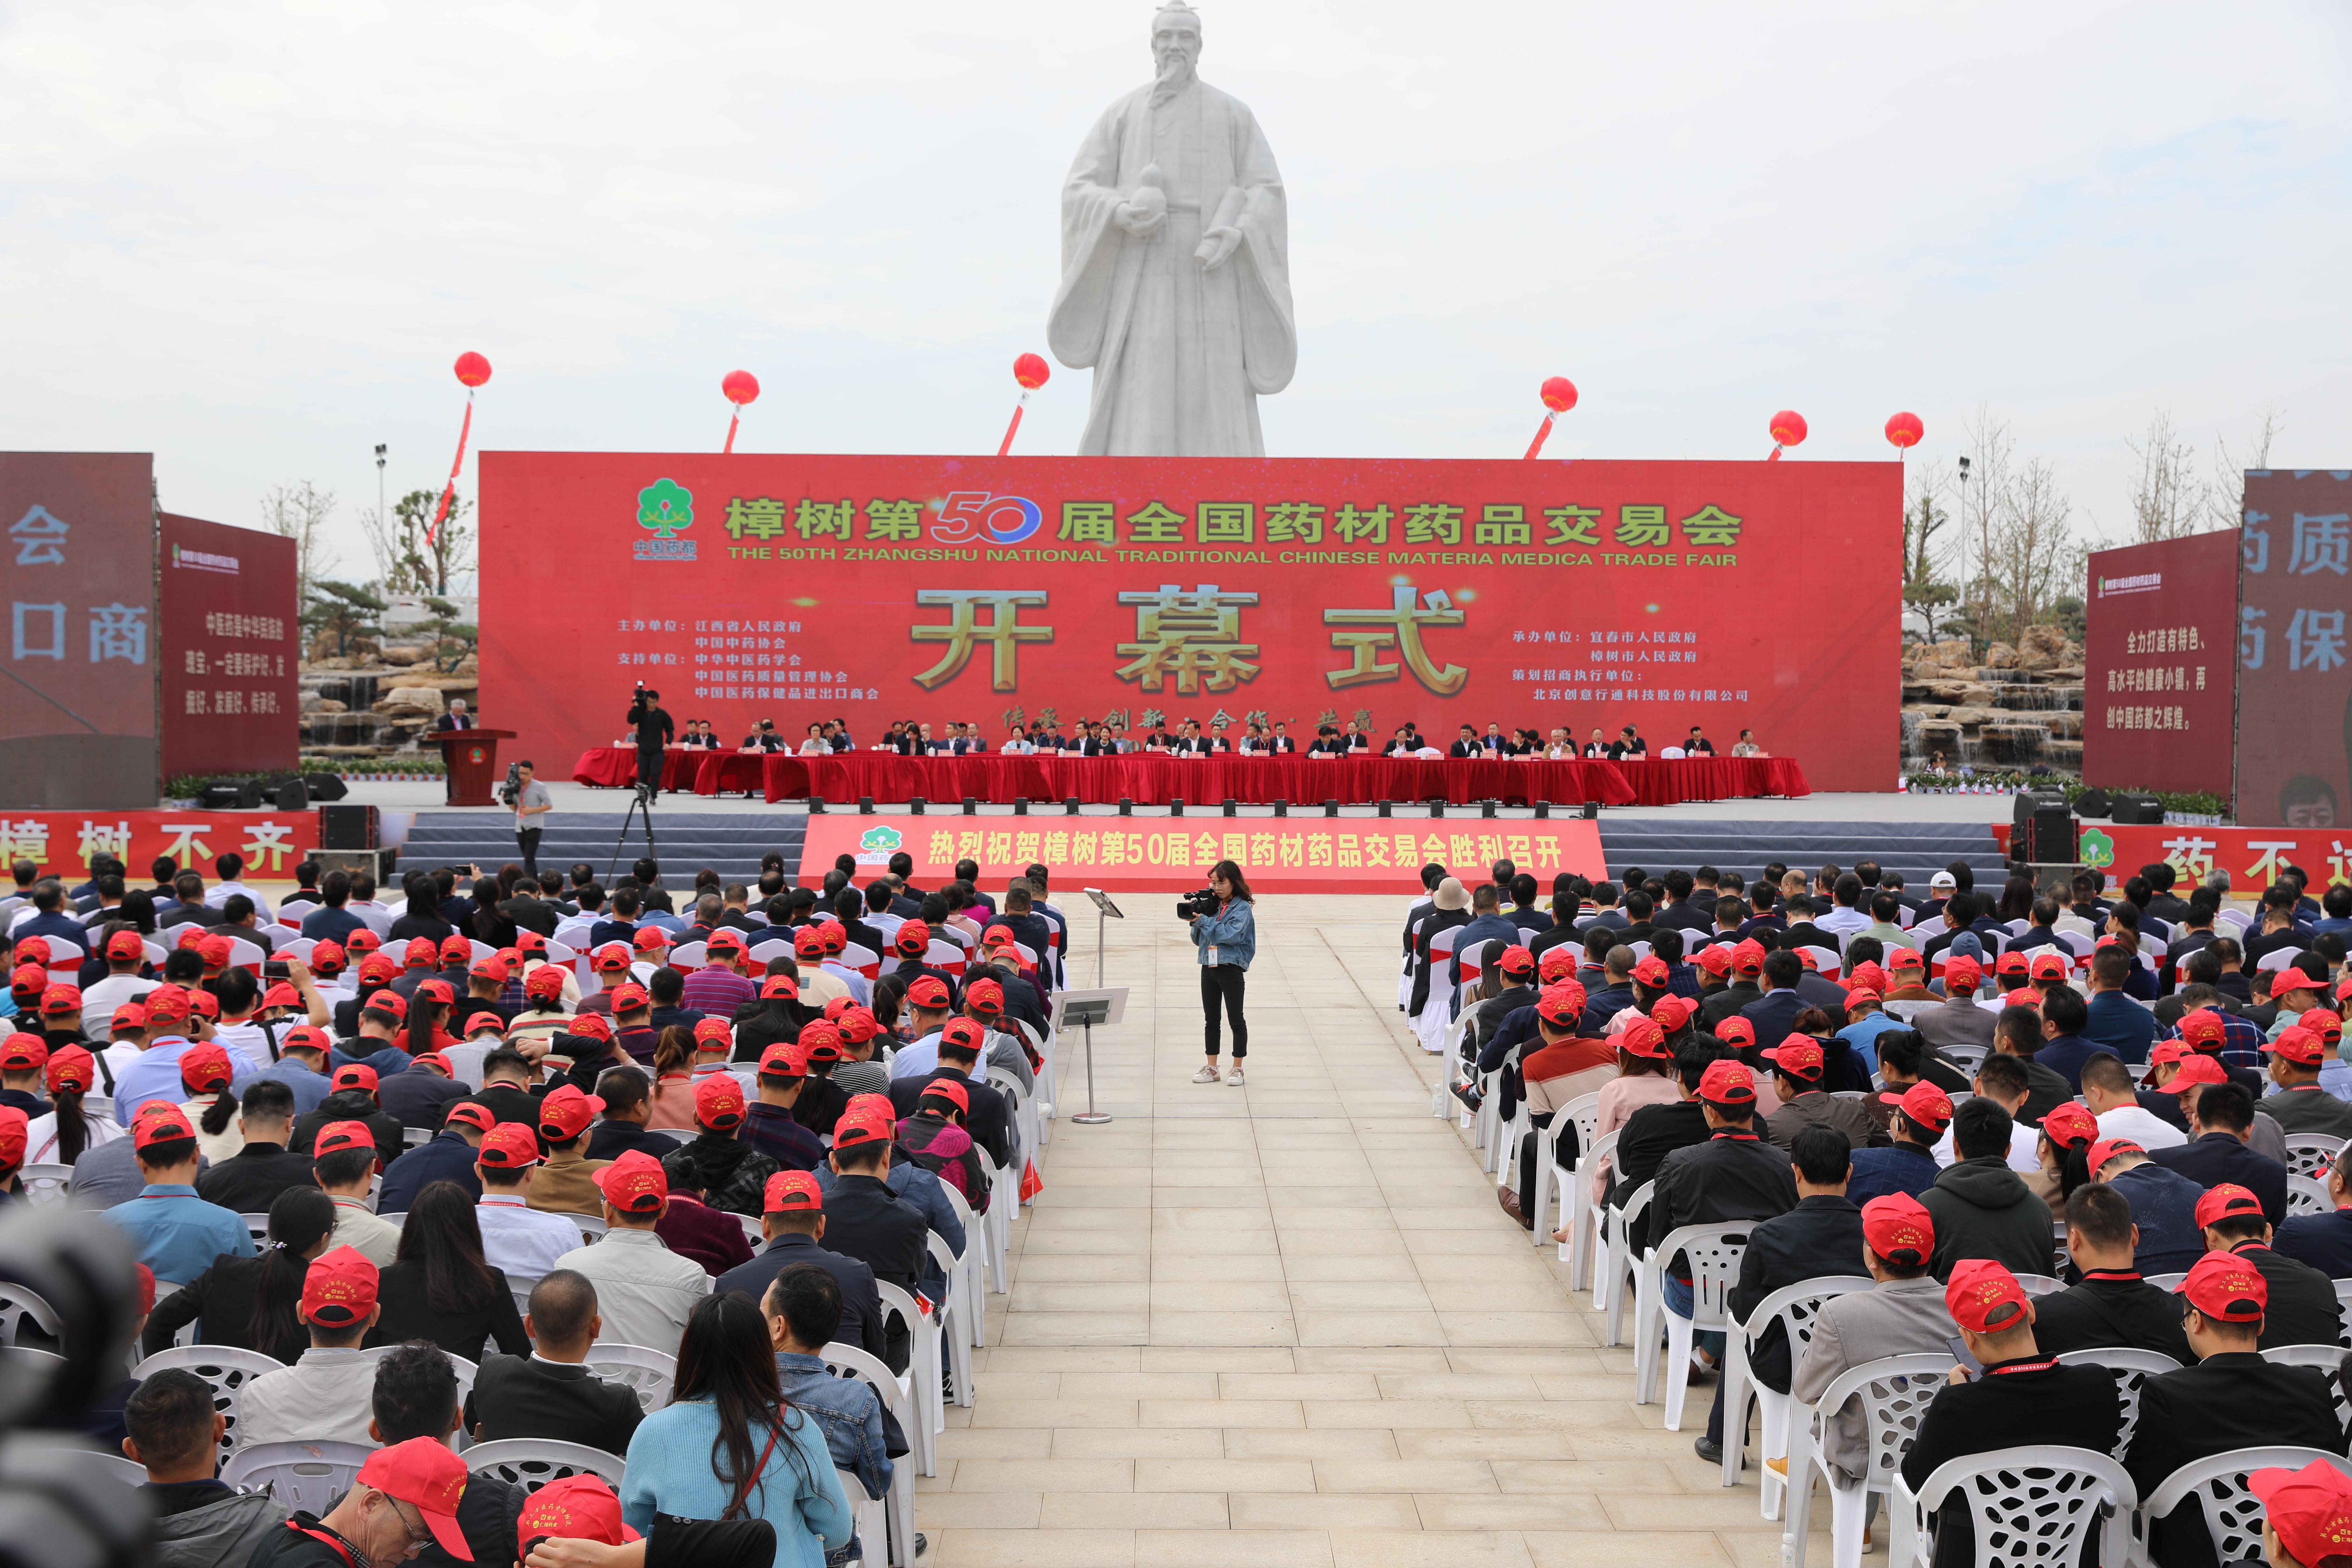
[(857, 1430), (2120, 1025), (669, 1471), (2218, 1157), (2322, 1240), (2164, 1206), (177, 1234), (1233, 932), (916, 1186), (446, 1157), (1882, 1173)]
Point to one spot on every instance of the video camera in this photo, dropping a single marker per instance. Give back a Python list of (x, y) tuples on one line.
[(1197, 905), (510, 792)]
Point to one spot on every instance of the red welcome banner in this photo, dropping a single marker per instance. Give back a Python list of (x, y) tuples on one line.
[(1173, 854), (62, 842), (989, 591), (2253, 856)]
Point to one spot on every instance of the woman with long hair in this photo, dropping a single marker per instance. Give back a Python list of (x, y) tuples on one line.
[(204, 1072), (2016, 901), (422, 915), (1224, 943), (728, 1447), (252, 1303), (1643, 1078), (674, 1079), (439, 1288), (60, 1137)]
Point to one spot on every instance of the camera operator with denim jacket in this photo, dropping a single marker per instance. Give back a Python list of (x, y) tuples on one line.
[(1225, 930)]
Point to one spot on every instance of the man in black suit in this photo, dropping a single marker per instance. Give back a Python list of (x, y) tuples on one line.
[(2113, 1305), (448, 1156), (2221, 1115), (456, 718), (2232, 1398), (250, 1182), (989, 1123), (551, 1394), (2325, 1241), (1774, 1013), (2302, 1309), (1280, 744), (866, 1220), (794, 1222)]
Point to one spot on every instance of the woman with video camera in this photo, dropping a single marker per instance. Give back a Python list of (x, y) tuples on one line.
[(1225, 930)]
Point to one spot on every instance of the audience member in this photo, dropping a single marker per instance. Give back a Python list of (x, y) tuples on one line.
[(440, 1289), (566, 1181), (415, 1400), (802, 1307), (325, 1395), (2325, 1241), (794, 1227), (172, 1230), (343, 1163), (551, 1393), (174, 1432), (1903, 1314), (518, 1240), (369, 1522), (644, 1290), (250, 1181), (250, 1304), (1916, 1118), (1732, 1175), (2300, 1307), (450, 1155), (1983, 1210), (866, 1220), (2221, 1115), (2113, 1304)]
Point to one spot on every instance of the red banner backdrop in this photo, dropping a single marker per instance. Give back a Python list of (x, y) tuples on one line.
[(1163, 854), (1584, 595), (2251, 855), (232, 649), (2294, 686), (61, 843), (2159, 692)]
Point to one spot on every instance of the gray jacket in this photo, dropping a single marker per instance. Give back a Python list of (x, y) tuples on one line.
[(1898, 1317), (1958, 1022), (223, 1535)]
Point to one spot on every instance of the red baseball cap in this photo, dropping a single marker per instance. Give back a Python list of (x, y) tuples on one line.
[(480, 1019), (589, 1025), (2300, 1045), (439, 991), (13, 1125), (1643, 1037), (508, 1146), (362, 940), (166, 1004), (1906, 958), (789, 1191), (158, 1122), (2071, 1125), (129, 1015), (2106, 1149), (630, 998), (783, 985), (282, 995), (650, 938), (948, 1089), (2203, 1027), (984, 997), (713, 1032), (820, 1041), (338, 1136), (914, 939), (612, 955), (566, 1112), (1728, 1083), (719, 1102), (1805, 960), (216, 951), (421, 953), (1898, 1227), (836, 938), (1516, 960), (70, 1070), (1923, 1103), (963, 1034), (60, 999), (996, 934), (377, 968), (1570, 989), (1671, 1013), (327, 957), (1747, 957), (1799, 1055), (528, 942), (854, 1129), (2223, 1285), (2227, 1201), (724, 941), (2048, 964), (1715, 958), (544, 981), (1556, 963), (2311, 1509), (1653, 973), (355, 1075), (305, 1036), (338, 1292), (929, 991), (492, 969), (2165, 1051), (634, 1184), (2293, 979), (456, 949), (872, 1108), (1984, 1297), (1557, 1005), (205, 1002), (2329, 1026), (1862, 996), (1736, 1031), (1962, 974), (125, 944), (473, 1113), (2193, 1071), (204, 1068), (21, 1052), (785, 1058), (1867, 976), (858, 1025), (577, 1508), (837, 1006), (808, 943), (387, 1003), (2013, 961)]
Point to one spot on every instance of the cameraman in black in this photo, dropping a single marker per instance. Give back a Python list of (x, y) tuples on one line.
[(1224, 930), (654, 731)]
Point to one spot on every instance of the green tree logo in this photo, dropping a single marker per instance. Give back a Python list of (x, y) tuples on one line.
[(879, 839), (2096, 848), (666, 506)]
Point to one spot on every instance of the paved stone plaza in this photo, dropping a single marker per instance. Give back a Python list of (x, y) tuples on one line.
[(1288, 1324)]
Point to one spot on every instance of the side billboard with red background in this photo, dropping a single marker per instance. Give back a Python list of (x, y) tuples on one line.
[(1173, 854), (62, 842), (232, 649), (1584, 595), (2295, 686), (78, 705), (2159, 678), (2253, 856)]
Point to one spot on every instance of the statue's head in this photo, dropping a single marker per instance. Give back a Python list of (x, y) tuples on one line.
[(1175, 40)]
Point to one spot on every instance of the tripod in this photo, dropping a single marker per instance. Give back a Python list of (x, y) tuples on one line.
[(642, 804)]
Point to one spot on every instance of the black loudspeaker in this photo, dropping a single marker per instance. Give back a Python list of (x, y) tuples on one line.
[(348, 828), (226, 794), (2042, 832), (292, 795), (2138, 811), (325, 787), (2092, 803)]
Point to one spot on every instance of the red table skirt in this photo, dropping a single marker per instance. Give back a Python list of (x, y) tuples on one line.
[(1154, 780)]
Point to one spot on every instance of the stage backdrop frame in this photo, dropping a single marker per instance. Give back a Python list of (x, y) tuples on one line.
[(232, 649), (2294, 683), (1441, 592), (2161, 670)]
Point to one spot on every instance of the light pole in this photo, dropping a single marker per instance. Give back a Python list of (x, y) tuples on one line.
[(1964, 550), (379, 482)]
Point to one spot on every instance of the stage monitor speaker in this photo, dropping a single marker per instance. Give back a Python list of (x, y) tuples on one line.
[(2138, 811), (325, 787), (347, 827), (223, 795), (2092, 803), (292, 795), (2046, 838)]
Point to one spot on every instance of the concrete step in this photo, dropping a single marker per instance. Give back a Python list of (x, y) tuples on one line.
[(1917, 849), (684, 842)]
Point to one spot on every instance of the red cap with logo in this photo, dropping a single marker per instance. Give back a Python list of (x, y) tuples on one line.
[(2013, 961), (780, 985), (997, 935), (421, 953), (566, 1112), (1671, 1013), (1984, 1297), (13, 1133), (2071, 1125), (634, 1184), (1923, 1103), (589, 1025), (577, 1508), (363, 942), (1728, 1083), (719, 1102), (2227, 1201), (2311, 1509), (387, 1003), (1735, 1032), (473, 1113), (713, 1032), (1862, 996), (612, 955), (2300, 1045), (2169, 1052), (949, 1090), (914, 939), (305, 1037), (282, 995), (963, 1034), (125, 944), (1807, 962), (929, 991), (205, 1068), (855, 1127), (158, 1122), (820, 1041), (508, 1146), (630, 998), (21, 1052), (1653, 973), (2048, 964), (651, 938), (2193, 1071), (858, 1025), (129, 1015), (1747, 957), (205, 1004), (2203, 1027), (456, 949), (70, 1070), (1559, 1007), (2327, 1026), (166, 1004), (378, 970), (216, 951), (984, 997), (492, 969), (1643, 1037), (1715, 958), (1904, 958), (790, 1192), (1961, 975), (1516, 961), (480, 1021), (2224, 1286), (337, 1136), (2293, 979), (785, 1058), (529, 942), (339, 1291), (355, 1075), (1898, 1228), (836, 938), (808, 943), (1799, 1055), (1867, 976), (837, 1006), (1556, 963), (724, 941), (434, 991), (2106, 1149)]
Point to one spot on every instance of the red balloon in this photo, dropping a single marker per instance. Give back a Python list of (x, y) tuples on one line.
[(473, 369), (1031, 371), (740, 386), (1905, 429), (1559, 394), (1787, 427)]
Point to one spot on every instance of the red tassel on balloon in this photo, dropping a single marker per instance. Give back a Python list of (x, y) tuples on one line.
[(473, 369), (1032, 372), (740, 386), (1788, 430), (1559, 397)]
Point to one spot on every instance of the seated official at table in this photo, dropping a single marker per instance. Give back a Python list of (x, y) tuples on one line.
[(1628, 744), (1698, 745), (764, 738)]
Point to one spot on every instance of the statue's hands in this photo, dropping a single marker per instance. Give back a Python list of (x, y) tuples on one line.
[(1216, 245), (1145, 212)]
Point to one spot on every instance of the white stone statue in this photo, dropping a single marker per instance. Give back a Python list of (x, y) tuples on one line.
[(1175, 266)]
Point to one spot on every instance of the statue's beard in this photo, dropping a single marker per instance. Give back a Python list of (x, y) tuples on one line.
[(1175, 75)]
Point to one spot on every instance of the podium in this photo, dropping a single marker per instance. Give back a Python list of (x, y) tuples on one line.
[(472, 756)]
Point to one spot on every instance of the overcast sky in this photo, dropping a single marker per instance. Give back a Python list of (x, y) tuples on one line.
[(252, 237)]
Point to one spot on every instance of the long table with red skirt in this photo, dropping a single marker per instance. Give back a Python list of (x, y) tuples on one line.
[(1153, 780)]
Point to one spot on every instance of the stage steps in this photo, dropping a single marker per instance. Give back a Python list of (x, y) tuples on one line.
[(685, 842), (1917, 849)]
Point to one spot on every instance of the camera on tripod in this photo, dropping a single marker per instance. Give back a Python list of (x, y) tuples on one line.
[(510, 792), (1197, 905)]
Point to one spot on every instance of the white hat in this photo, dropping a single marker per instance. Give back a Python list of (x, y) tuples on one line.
[(1943, 880)]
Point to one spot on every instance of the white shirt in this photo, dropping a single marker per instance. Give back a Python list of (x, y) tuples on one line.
[(2142, 1126), (524, 1242), (1845, 921), (2071, 922), (817, 988), (328, 1396), (41, 1136), (220, 893), (360, 1229), (2024, 1149), (98, 1003), (246, 1039), (921, 1059), (644, 1290)]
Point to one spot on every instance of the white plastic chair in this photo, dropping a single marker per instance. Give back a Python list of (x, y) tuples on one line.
[(870, 1515), (648, 1374), (1025, 1120), (1714, 1251), (1610, 1290), (1579, 1215), (531, 1462), (2131, 1370), (2047, 1494), (924, 1333), (1968, 1059), (1895, 1392), (305, 1476), (521, 1286), (1583, 1112), (2233, 1515), (257, 1225), (224, 1367), (1794, 1308), (975, 1248), (2326, 1360), (953, 1314), (848, 1361), (948, 956), (592, 1226), (2305, 1195), (2311, 1153), (17, 1304), (2039, 1284), (44, 1183), (688, 955)]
